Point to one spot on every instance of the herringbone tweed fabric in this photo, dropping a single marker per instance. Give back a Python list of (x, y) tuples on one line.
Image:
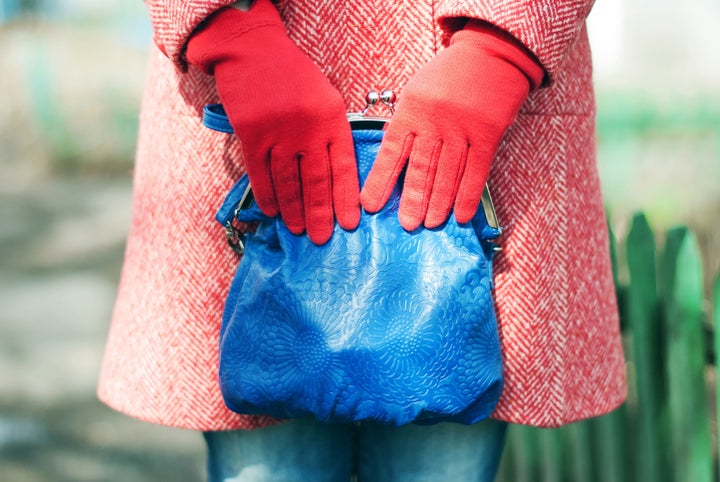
[(555, 297)]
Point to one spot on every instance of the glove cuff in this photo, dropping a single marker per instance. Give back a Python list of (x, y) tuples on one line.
[(501, 44), (217, 37)]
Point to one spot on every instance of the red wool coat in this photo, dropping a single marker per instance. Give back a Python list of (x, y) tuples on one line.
[(555, 299)]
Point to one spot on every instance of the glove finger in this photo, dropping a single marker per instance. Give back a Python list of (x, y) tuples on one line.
[(447, 182), (286, 182), (473, 181), (392, 157), (419, 181), (317, 195), (345, 183), (257, 165)]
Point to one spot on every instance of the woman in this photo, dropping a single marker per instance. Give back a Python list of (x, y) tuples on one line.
[(448, 60)]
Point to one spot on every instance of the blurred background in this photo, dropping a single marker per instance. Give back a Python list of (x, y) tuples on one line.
[(71, 76)]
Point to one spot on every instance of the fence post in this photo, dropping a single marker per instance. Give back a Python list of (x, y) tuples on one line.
[(643, 320), (583, 459), (609, 445), (716, 325), (522, 463), (552, 454), (685, 358)]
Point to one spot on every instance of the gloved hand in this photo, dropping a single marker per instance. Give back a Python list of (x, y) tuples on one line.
[(292, 124), (450, 119)]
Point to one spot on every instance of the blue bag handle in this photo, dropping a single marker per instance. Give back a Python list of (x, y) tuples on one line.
[(215, 118)]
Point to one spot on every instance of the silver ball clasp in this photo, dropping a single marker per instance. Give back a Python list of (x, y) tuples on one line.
[(389, 98), (371, 98)]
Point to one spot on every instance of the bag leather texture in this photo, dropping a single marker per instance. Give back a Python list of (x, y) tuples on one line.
[(378, 324)]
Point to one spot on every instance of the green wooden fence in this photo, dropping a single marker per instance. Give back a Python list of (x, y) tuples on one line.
[(663, 432)]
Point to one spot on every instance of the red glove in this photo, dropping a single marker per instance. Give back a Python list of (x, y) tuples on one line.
[(291, 121), (448, 124)]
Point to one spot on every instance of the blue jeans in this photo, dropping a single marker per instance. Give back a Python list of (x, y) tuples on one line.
[(305, 450)]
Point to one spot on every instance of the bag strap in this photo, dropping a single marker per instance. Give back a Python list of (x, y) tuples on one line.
[(215, 118)]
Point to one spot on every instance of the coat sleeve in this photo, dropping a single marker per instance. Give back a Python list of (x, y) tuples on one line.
[(173, 21), (546, 27)]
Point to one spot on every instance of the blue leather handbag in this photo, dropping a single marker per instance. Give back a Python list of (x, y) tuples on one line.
[(377, 324)]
